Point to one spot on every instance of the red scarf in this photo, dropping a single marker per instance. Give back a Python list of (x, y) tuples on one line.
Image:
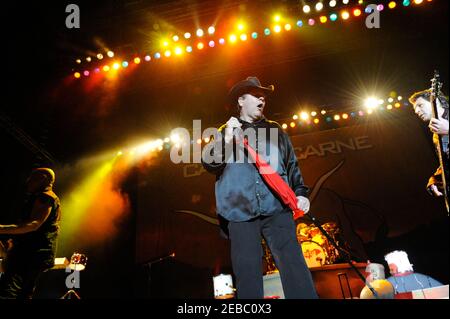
[(276, 183)]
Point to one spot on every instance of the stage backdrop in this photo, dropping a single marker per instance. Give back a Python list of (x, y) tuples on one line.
[(369, 178)]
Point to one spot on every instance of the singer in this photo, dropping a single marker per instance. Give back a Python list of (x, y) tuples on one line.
[(248, 207)]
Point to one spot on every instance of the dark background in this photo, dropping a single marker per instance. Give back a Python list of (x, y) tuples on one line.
[(332, 66)]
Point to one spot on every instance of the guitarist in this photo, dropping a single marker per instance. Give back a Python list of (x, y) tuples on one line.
[(439, 127), (34, 237)]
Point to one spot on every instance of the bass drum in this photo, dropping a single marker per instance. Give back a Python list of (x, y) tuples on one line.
[(315, 255)]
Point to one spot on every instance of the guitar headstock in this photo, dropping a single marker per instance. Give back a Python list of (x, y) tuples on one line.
[(436, 84)]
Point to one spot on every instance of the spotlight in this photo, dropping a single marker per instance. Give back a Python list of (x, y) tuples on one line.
[(284, 126), (323, 19), (319, 6), (178, 51), (175, 138), (277, 29), (254, 35), (77, 75), (392, 5), (345, 116), (295, 117), (187, 35), (116, 66), (147, 58), (299, 23), (356, 12), (241, 26), (266, 31), (371, 102), (124, 64), (175, 38), (304, 116), (292, 124), (189, 49), (316, 121), (99, 56), (137, 60), (332, 3), (167, 53), (277, 18), (311, 22), (306, 9), (157, 55), (333, 17), (221, 41), (106, 68), (232, 38), (199, 32), (211, 44), (345, 1), (200, 45), (78, 61), (89, 59), (110, 54), (389, 107), (323, 112), (337, 117), (287, 27), (243, 37), (345, 15), (211, 30), (313, 113)]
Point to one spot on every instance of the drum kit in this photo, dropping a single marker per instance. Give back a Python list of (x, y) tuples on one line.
[(317, 249)]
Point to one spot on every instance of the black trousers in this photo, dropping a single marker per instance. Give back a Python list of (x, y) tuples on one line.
[(20, 276), (279, 231)]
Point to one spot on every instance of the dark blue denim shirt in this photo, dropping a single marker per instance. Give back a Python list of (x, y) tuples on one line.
[(241, 192)]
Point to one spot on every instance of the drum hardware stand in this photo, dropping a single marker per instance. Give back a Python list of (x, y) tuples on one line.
[(149, 264), (347, 257), (342, 274), (69, 294)]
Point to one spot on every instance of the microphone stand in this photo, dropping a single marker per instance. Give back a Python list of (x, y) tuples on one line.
[(149, 270), (333, 242)]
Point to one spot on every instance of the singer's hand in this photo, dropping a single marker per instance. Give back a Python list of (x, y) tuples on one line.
[(303, 204), (231, 125)]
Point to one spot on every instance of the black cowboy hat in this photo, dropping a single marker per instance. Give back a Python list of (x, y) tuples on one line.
[(250, 84)]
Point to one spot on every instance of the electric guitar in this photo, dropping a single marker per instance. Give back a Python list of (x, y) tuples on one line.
[(436, 86)]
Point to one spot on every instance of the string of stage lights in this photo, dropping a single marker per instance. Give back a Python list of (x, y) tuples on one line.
[(199, 40), (311, 118)]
